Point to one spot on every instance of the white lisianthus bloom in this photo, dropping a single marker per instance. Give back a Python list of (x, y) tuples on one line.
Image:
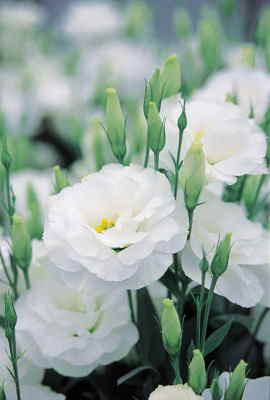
[(251, 86), (174, 392), (74, 330), (86, 21), (30, 377), (120, 224), (233, 145), (20, 16), (255, 388), (116, 64), (40, 181), (245, 280)]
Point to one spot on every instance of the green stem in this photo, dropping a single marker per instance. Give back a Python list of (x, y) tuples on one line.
[(146, 159), (130, 302), (207, 312), (177, 167), (156, 160), (12, 284), (175, 365), (190, 219), (199, 311), (13, 357), (26, 278)]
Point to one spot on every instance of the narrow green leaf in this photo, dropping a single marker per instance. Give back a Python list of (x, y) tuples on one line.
[(134, 373), (217, 337)]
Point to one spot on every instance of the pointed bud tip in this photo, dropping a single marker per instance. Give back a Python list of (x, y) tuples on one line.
[(168, 303), (111, 91)]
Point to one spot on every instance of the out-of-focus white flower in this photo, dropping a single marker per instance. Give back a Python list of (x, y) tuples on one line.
[(20, 16), (89, 21), (233, 145), (121, 224), (245, 280), (42, 184), (174, 392), (30, 377), (117, 64), (74, 330), (255, 388), (251, 87)]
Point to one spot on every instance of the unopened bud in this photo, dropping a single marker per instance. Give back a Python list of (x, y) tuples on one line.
[(237, 383), (192, 175), (228, 7), (21, 242), (60, 179), (263, 26), (35, 221), (115, 125), (156, 129), (171, 328), (251, 190), (216, 391), (221, 257), (138, 16), (97, 133), (171, 77), (182, 120), (10, 315), (210, 42), (182, 23), (204, 264), (197, 376), (6, 158)]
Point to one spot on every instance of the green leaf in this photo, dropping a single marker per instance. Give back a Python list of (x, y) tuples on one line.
[(217, 337), (150, 344), (135, 372)]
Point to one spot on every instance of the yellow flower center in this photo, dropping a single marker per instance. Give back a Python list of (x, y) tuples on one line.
[(104, 225), (198, 136)]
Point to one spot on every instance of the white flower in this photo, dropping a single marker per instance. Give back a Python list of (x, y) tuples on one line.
[(233, 144), (255, 388), (121, 224), (89, 21), (21, 16), (117, 64), (42, 184), (74, 330), (174, 392), (245, 280), (250, 85)]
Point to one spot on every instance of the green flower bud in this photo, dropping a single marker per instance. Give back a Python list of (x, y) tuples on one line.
[(171, 328), (182, 120), (152, 92), (197, 376), (138, 17), (21, 243), (192, 175), (35, 221), (204, 264), (116, 131), (10, 316), (228, 7), (210, 42), (60, 179), (2, 393), (248, 55), (6, 158), (156, 129), (182, 23), (171, 77), (263, 26), (251, 191), (216, 391), (220, 260), (237, 383), (96, 133)]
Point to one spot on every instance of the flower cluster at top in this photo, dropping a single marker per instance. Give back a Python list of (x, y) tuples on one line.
[(166, 196)]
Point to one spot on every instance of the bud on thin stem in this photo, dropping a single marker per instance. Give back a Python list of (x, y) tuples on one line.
[(220, 260), (171, 329), (60, 179), (197, 376), (171, 77), (237, 383), (116, 130), (35, 221)]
